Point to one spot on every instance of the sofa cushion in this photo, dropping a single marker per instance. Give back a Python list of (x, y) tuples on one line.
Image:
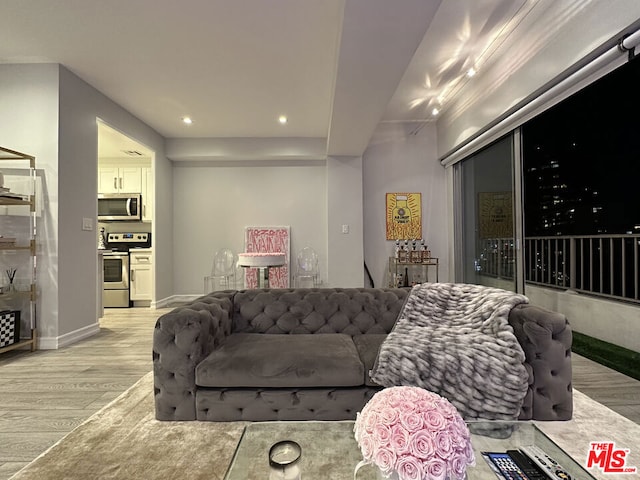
[(264, 360), (368, 347)]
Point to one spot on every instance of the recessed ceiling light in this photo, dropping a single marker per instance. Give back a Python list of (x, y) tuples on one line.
[(187, 120), (471, 72), (282, 119), (435, 112)]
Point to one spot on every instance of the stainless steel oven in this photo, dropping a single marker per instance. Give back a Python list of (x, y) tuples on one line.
[(116, 279), (116, 270)]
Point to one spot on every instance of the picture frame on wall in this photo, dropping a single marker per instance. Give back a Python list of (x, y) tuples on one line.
[(404, 216), (268, 240)]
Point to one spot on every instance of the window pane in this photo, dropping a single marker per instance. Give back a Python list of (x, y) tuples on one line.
[(487, 220), (581, 195)]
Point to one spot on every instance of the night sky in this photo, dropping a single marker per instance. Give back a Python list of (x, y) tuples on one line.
[(582, 160)]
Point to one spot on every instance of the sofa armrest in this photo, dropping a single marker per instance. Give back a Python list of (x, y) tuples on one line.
[(546, 339), (181, 340)]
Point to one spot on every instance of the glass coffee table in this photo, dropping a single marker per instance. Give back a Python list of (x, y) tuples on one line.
[(329, 449)]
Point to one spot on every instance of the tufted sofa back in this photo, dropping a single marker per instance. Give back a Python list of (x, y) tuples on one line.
[(352, 311)]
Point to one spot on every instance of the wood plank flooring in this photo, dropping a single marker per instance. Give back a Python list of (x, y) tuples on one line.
[(47, 393)]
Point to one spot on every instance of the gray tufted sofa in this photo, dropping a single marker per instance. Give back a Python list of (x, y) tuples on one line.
[(303, 354)]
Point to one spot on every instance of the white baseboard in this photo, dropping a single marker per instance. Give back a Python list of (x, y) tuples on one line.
[(53, 343), (173, 299)]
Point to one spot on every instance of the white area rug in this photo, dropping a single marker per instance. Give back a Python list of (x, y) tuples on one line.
[(125, 441)]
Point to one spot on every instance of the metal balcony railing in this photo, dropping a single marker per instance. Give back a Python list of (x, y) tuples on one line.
[(603, 265), (497, 258)]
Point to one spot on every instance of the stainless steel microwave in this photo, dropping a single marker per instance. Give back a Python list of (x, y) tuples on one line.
[(119, 207)]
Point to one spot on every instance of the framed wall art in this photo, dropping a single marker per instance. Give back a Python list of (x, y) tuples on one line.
[(268, 240), (404, 216)]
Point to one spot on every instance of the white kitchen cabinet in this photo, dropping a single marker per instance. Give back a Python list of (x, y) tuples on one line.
[(141, 278), (119, 179), (147, 194)]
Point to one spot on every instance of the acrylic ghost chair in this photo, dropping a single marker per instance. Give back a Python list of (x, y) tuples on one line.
[(223, 272), (307, 272)]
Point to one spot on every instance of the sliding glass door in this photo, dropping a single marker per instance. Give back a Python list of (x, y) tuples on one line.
[(486, 228)]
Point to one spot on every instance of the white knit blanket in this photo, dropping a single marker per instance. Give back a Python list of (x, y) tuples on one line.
[(454, 339)]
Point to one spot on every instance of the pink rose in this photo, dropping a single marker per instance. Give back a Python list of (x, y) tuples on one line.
[(408, 406), (411, 420), (370, 420), (385, 459), (399, 439), (458, 466), (382, 434), (469, 455), (437, 469), (446, 408), (409, 468), (387, 397), (422, 445), (412, 394), (389, 415), (426, 404), (366, 446), (443, 444), (434, 420)]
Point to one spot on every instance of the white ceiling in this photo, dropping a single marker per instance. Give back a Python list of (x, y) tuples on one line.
[(336, 68)]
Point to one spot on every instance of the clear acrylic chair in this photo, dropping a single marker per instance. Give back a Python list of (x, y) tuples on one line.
[(223, 272), (307, 272)]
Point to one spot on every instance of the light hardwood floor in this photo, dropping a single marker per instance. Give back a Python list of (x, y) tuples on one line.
[(46, 394)]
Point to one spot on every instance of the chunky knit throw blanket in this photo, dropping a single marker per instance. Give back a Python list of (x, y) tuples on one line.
[(454, 339)]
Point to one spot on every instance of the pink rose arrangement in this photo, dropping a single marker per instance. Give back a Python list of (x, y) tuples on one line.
[(414, 433)]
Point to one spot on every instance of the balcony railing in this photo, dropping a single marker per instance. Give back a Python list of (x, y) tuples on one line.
[(603, 265)]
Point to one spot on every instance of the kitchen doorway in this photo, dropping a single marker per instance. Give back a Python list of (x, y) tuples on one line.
[(125, 171)]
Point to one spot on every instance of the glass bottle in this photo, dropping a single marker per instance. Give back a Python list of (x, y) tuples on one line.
[(415, 256), (403, 253), (426, 254)]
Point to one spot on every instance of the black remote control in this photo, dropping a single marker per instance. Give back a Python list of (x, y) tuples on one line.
[(504, 466), (528, 467)]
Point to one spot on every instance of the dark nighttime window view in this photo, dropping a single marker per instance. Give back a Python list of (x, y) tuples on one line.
[(582, 161), (581, 164)]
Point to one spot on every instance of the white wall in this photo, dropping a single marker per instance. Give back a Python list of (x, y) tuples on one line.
[(399, 161), (613, 322), (344, 207), (80, 106), (214, 202), (51, 113)]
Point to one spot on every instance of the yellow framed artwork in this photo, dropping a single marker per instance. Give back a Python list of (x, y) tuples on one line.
[(404, 216)]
